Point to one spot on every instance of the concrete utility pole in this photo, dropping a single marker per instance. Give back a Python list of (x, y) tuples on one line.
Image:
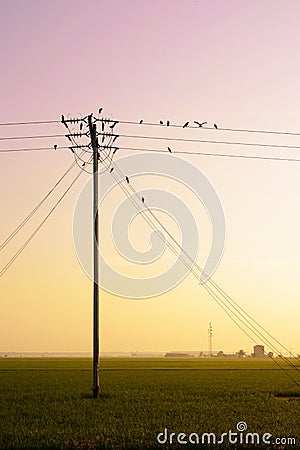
[(95, 146), (91, 121)]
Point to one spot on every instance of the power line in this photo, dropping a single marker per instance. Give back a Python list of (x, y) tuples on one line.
[(240, 317), (213, 295), (35, 209), (227, 297), (222, 155), (240, 130), (130, 122), (12, 260), (162, 138), (32, 122), (32, 149), (11, 138)]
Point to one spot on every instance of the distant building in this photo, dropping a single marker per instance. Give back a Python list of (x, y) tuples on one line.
[(178, 355), (259, 351)]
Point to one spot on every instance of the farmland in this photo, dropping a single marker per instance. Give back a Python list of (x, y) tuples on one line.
[(46, 403)]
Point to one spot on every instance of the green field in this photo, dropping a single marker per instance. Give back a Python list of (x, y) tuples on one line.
[(46, 403)]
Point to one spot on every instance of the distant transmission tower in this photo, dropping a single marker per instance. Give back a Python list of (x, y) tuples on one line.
[(210, 339)]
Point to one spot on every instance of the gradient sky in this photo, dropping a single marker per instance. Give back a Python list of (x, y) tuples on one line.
[(234, 63)]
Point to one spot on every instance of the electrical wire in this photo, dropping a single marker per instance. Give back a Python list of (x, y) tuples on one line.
[(254, 331), (31, 149), (128, 122), (180, 152), (204, 141), (13, 138), (229, 299), (35, 209), (222, 155), (240, 130), (32, 122), (13, 259)]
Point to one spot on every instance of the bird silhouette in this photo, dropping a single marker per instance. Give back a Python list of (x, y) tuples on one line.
[(168, 123), (113, 125), (55, 146), (141, 121), (81, 126), (169, 150), (143, 200), (216, 126), (100, 110), (83, 164), (63, 121), (200, 123), (111, 170), (127, 179), (161, 122), (185, 125)]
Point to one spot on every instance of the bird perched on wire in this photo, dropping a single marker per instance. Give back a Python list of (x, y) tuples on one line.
[(63, 121), (127, 179), (185, 125), (141, 121), (161, 122), (100, 110), (200, 123), (114, 124), (83, 164), (143, 200), (111, 170), (169, 150), (55, 146), (168, 123), (81, 126), (216, 126)]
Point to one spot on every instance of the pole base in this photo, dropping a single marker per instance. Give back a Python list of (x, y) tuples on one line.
[(96, 392)]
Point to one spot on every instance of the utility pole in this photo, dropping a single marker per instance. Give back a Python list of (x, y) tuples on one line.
[(94, 143), (91, 121)]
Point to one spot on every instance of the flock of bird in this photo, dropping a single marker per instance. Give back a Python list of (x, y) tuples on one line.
[(200, 124), (185, 125)]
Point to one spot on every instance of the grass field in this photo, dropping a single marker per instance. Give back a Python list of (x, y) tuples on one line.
[(46, 403)]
